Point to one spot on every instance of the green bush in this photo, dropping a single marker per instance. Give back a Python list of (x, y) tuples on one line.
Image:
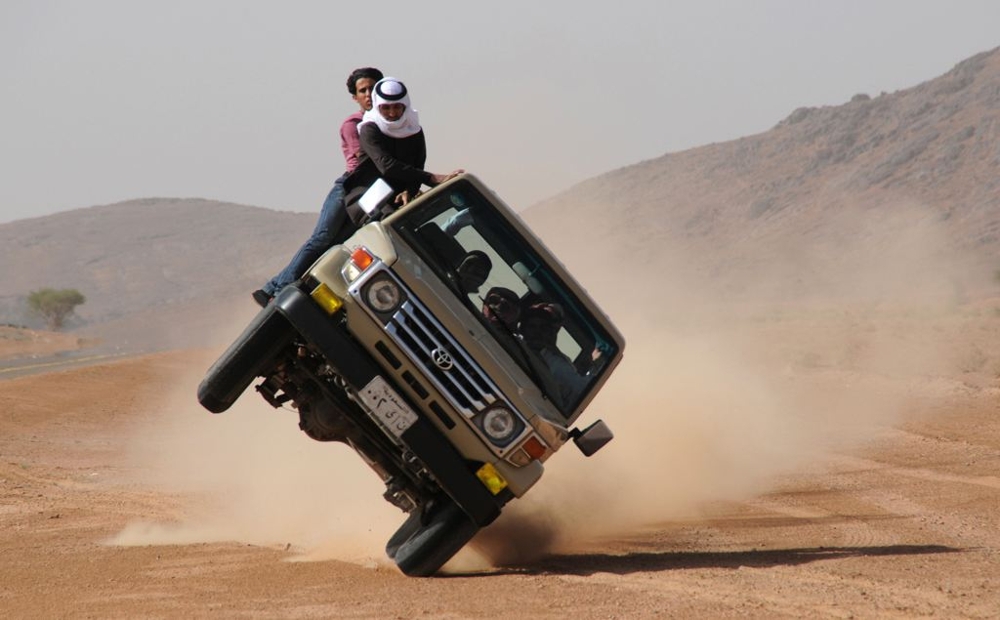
[(54, 305)]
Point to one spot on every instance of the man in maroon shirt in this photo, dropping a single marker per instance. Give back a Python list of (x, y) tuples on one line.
[(332, 215), (360, 85)]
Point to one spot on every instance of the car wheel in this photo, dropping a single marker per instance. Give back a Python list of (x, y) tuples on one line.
[(244, 360), (405, 531), (433, 544)]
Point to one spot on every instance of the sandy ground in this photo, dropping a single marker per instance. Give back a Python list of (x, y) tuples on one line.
[(19, 343), (824, 482)]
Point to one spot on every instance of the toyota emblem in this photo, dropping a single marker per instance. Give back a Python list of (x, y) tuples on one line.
[(442, 359)]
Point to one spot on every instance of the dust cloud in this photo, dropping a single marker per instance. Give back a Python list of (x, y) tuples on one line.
[(722, 396), (250, 475), (719, 398)]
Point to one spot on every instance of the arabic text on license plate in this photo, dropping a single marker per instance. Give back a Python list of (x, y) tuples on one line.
[(387, 406)]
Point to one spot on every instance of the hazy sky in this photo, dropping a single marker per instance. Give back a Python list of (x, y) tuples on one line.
[(240, 100)]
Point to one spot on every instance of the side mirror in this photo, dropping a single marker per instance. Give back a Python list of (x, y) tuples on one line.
[(592, 438), (375, 196)]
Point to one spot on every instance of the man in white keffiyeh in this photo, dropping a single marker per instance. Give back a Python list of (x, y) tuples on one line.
[(391, 110), (392, 148), (333, 214)]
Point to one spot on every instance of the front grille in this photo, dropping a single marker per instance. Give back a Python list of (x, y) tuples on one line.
[(419, 334)]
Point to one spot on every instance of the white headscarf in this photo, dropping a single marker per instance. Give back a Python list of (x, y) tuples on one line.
[(391, 90)]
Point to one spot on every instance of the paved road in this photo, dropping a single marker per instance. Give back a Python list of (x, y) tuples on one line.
[(48, 363)]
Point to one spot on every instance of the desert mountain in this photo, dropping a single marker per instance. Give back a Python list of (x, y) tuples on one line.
[(879, 196), (144, 260), (886, 189)]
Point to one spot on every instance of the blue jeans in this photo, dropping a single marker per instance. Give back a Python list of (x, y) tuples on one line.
[(331, 219)]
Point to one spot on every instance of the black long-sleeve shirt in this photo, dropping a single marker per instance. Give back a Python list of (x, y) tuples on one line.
[(400, 161)]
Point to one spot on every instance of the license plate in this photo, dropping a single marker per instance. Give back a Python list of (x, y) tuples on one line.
[(387, 407)]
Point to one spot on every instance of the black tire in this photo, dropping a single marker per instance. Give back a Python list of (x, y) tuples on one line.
[(405, 531), (245, 359), (433, 544)]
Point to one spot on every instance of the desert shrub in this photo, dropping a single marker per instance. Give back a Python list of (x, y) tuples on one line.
[(53, 305)]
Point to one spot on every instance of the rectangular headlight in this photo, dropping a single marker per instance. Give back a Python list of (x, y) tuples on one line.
[(326, 299), (491, 478), (361, 259)]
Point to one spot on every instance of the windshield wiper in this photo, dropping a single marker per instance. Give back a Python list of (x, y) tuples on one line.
[(532, 363)]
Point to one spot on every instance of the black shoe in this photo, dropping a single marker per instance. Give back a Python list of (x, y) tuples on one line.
[(261, 297)]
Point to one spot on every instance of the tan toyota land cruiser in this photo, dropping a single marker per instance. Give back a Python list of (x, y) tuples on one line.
[(448, 347)]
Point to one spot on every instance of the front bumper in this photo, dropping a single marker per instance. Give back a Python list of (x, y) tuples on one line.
[(454, 474)]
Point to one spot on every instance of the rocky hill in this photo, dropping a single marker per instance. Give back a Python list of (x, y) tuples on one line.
[(903, 186), (882, 197), (144, 260)]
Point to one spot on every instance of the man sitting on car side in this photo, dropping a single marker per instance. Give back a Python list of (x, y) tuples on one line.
[(332, 215)]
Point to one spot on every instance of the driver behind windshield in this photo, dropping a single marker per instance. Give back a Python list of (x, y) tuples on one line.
[(539, 327), (502, 306)]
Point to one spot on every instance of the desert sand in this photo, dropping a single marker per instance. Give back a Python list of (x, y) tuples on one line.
[(806, 420), (831, 463)]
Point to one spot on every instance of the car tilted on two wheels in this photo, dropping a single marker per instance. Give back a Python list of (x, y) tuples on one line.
[(397, 343)]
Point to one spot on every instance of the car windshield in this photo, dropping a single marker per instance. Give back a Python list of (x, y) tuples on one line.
[(546, 329)]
